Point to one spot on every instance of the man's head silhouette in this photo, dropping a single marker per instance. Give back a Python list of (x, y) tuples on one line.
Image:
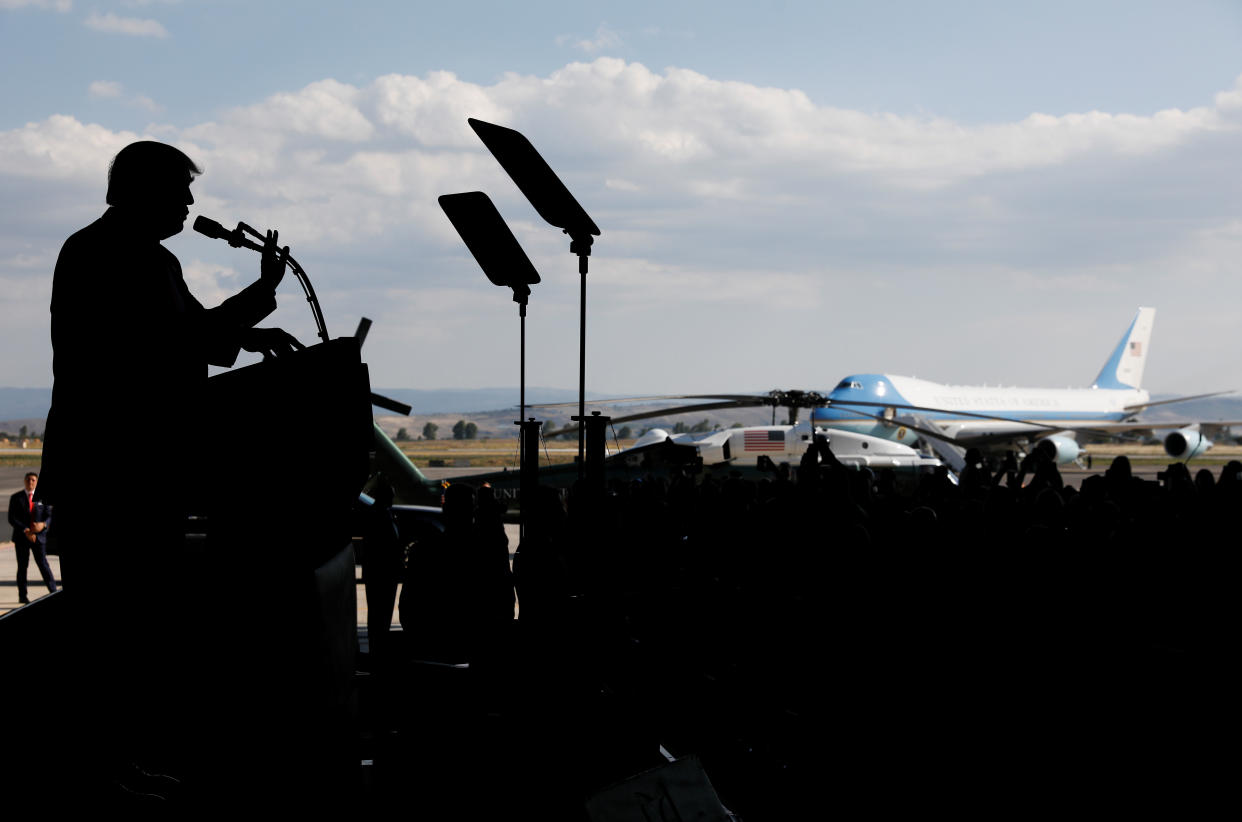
[(150, 183)]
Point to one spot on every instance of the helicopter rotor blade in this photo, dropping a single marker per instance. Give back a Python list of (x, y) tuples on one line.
[(758, 399), (661, 412), (792, 400), (940, 435), (843, 406)]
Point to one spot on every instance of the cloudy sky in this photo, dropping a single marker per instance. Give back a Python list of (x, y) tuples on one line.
[(788, 192)]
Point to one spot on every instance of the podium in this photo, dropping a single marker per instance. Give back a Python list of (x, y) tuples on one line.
[(288, 454), (286, 458)]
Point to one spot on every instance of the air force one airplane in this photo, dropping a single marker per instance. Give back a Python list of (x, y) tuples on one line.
[(864, 410), (953, 417)]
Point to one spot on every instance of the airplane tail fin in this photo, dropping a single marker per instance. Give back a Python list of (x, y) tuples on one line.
[(1124, 368)]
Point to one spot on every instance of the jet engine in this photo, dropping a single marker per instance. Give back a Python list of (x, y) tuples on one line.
[(1185, 443), (1062, 450)]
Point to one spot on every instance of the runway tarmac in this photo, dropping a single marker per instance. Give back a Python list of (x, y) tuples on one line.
[(36, 589), (11, 476)]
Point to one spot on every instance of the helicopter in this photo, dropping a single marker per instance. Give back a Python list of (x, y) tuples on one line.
[(750, 450)]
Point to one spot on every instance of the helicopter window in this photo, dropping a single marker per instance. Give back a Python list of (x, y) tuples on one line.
[(849, 384)]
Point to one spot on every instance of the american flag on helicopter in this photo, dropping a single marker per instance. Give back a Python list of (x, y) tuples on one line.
[(763, 441)]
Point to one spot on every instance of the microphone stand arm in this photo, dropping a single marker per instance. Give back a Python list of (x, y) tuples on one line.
[(300, 274), (316, 311)]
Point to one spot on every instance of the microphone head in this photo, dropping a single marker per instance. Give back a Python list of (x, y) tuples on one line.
[(209, 227)]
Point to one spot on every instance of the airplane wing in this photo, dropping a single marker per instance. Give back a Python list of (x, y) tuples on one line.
[(748, 399), (1182, 439), (1155, 425), (1141, 406), (1034, 430)]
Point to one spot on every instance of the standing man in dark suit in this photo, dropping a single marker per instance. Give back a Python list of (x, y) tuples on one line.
[(30, 519)]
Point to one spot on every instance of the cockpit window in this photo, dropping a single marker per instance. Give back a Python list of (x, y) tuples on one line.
[(849, 384)]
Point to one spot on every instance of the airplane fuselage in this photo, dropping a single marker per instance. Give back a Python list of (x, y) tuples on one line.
[(1046, 406)]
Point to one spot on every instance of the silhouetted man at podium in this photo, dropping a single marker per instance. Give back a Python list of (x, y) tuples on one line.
[(131, 346)]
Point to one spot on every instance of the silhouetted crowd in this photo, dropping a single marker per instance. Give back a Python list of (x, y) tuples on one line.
[(825, 635)]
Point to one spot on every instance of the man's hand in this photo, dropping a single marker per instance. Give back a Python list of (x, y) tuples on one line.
[(38, 527), (270, 342), (30, 536), (272, 268)]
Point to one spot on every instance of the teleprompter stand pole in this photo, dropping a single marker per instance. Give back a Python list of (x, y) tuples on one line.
[(596, 429), (528, 431), (581, 245), (520, 299), (528, 477)]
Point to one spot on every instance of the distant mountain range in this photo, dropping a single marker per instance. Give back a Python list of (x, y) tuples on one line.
[(427, 401), (25, 404), (22, 404), (29, 406), (24, 407)]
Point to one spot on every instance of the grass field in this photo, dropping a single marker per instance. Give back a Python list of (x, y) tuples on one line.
[(492, 452), (27, 458), (1154, 455)]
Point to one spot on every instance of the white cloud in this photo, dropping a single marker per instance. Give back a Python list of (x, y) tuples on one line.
[(105, 88), (134, 26), (53, 5), (618, 184), (60, 147), (326, 109), (628, 284), (29, 262), (212, 283), (605, 38), (1230, 100), (675, 132), (111, 90), (433, 110), (616, 127), (730, 212)]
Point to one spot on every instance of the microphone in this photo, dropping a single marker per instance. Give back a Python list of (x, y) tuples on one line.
[(210, 228), (235, 238)]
